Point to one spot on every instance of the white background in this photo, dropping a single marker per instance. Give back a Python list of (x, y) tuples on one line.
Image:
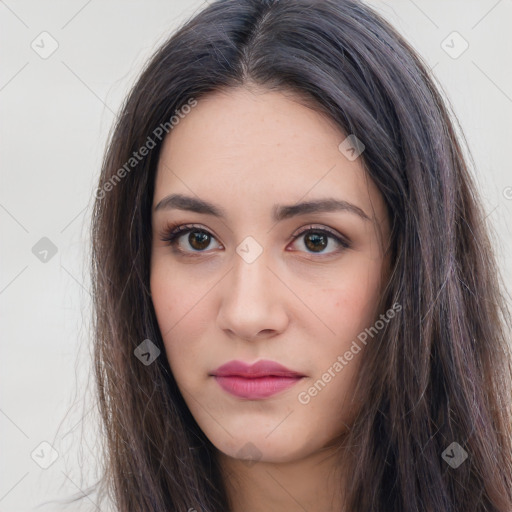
[(54, 120)]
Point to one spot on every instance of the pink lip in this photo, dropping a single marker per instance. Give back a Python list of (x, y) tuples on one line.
[(260, 380)]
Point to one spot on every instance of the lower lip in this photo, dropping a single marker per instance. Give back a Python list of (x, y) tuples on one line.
[(255, 388)]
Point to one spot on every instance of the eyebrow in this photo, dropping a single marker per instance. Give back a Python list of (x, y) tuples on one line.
[(279, 212)]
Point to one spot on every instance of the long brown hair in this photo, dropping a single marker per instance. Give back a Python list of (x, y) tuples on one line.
[(439, 375)]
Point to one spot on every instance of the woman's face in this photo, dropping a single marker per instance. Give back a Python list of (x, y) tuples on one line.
[(263, 274)]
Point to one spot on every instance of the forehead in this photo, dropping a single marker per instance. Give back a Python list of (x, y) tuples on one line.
[(238, 124), (241, 145)]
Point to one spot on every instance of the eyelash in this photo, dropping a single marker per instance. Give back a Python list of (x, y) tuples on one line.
[(173, 232)]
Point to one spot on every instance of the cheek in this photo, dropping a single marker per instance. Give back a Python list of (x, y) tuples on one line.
[(182, 316), (348, 309), (352, 305), (175, 294), (351, 309)]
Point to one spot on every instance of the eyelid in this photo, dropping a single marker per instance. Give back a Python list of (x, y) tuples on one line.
[(172, 232), (324, 229)]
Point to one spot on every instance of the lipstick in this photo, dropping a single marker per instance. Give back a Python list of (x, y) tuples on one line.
[(257, 381)]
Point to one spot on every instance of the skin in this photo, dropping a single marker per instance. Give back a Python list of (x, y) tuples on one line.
[(246, 150)]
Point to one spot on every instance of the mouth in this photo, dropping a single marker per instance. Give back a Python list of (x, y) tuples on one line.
[(258, 381), (255, 388)]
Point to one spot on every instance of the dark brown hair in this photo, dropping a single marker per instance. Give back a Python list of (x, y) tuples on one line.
[(440, 374)]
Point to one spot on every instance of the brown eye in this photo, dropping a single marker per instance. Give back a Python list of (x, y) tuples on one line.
[(195, 240), (188, 238), (199, 240), (316, 241)]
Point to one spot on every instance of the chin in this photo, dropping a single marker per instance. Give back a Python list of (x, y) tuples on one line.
[(257, 447)]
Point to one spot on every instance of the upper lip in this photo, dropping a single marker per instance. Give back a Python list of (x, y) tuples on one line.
[(263, 368)]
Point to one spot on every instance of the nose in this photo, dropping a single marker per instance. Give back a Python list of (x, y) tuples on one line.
[(253, 304)]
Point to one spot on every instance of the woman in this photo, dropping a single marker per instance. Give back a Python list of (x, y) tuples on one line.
[(296, 302)]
